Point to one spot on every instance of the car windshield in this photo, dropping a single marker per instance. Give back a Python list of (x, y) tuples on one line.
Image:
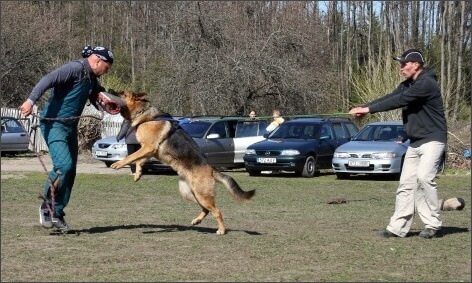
[(196, 129), (381, 133), (296, 131)]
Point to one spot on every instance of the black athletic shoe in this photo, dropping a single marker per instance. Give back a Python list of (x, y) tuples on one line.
[(60, 223), (386, 234), (428, 233)]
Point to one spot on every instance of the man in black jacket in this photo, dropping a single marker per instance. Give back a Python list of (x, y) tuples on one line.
[(420, 99)]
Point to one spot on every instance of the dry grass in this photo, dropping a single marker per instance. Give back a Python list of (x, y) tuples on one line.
[(141, 231)]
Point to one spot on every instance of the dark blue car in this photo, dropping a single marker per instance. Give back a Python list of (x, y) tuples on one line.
[(302, 145)]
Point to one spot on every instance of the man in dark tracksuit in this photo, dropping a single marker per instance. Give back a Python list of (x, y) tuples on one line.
[(132, 144), (420, 98), (72, 85)]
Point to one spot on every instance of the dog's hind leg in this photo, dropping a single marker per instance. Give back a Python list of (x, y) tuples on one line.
[(208, 204), (200, 217), (201, 189), (188, 194)]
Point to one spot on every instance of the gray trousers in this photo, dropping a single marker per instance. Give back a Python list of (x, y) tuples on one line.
[(417, 190)]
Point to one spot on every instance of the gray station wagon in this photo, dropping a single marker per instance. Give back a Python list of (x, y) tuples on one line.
[(223, 140), (14, 138)]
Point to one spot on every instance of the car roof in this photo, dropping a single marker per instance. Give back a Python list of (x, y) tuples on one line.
[(382, 123), (215, 118), (317, 120)]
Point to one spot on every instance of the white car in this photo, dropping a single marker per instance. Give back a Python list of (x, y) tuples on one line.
[(109, 150)]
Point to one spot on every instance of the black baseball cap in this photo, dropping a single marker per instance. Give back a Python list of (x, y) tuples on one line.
[(411, 55), (103, 53)]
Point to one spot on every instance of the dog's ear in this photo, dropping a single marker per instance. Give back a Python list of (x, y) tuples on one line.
[(140, 94)]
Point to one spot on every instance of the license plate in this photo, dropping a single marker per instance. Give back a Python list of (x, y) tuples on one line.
[(101, 153), (266, 160), (353, 163)]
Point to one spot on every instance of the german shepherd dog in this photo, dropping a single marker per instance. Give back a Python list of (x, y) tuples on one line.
[(166, 141)]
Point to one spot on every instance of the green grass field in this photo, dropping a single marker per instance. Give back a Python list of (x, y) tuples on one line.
[(141, 231)]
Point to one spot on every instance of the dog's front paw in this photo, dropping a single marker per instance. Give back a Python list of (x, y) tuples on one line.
[(117, 165)]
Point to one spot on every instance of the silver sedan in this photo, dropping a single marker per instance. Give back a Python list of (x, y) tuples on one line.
[(378, 148)]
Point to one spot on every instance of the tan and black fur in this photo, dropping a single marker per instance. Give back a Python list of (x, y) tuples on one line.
[(164, 140)]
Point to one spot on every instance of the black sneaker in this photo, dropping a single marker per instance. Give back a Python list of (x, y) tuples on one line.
[(429, 233), (386, 234), (44, 216), (60, 223)]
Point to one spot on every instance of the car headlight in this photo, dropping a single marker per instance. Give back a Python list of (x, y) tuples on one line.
[(383, 155), (118, 145), (290, 152), (341, 155), (250, 151)]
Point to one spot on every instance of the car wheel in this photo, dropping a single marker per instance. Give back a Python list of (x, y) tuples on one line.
[(108, 164), (343, 176), (309, 169), (254, 172)]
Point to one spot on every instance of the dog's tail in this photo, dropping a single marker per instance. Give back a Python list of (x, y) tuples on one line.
[(233, 187)]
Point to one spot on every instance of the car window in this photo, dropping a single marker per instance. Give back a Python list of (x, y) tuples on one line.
[(388, 133), (366, 134), (248, 129), (11, 126), (326, 132), (196, 129), (352, 129), (309, 132), (339, 131), (220, 128)]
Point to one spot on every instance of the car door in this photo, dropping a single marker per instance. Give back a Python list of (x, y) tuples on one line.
[(14, 136), (218, 144), (341, 134), (327, 145), (247, 133)]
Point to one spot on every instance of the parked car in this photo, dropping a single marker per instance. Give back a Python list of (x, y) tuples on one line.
[(109, 150), (14, 138), (223, 140), (378, 148), (301, 145)]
